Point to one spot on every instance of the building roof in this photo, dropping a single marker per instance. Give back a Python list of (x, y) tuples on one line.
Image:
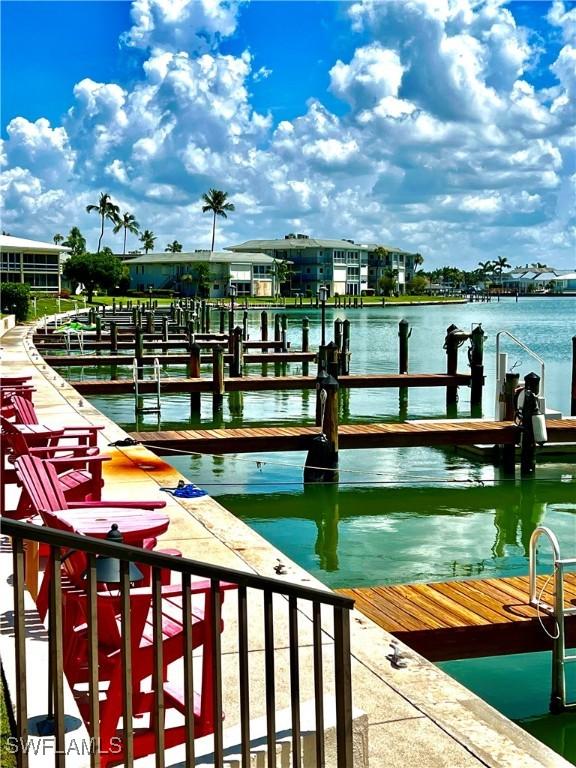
[(296, 243), (566, 276), (211, 257), (391, 248), (22, 245)]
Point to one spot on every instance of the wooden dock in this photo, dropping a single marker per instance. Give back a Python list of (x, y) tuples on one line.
[(396, 435), (464, 619), (68, 361), (171, 385)]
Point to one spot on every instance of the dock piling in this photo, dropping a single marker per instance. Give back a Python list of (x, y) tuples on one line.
[(476, 359), (113, 337), (236, 363), (264, 328), (322, 459), (508, 452), (454, 339), (345, 356), (217, 378), (194, 373), (529, 409)]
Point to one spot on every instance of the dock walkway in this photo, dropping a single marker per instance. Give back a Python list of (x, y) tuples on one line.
[(396, 435), (465, 619)]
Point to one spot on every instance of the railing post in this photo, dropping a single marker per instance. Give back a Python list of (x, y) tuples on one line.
[(343, 685)]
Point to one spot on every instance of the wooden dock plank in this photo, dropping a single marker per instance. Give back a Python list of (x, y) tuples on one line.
[(463, 619), (406, 434)]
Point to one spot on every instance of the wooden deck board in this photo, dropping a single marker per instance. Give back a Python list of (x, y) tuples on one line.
[(406, 434), (463, 619)]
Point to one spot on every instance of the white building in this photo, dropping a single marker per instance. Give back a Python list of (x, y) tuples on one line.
[(250, 274), (29, 261)]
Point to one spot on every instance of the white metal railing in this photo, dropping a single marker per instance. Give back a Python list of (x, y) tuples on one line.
[(557, 610), (502, 365)]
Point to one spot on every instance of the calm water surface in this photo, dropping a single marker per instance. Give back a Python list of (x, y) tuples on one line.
[(402, 515)]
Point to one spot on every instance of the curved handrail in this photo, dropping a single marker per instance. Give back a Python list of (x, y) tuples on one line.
[(526, 349), (541, 530)]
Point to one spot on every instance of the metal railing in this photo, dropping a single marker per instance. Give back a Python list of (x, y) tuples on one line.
[(558, 610), (285, 607), (502, 365)]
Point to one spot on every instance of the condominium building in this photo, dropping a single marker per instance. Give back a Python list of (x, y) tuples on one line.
[(339, 265), (32, 262), (204, 272), (342, 266)]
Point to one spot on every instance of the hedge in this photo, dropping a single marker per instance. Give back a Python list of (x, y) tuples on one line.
[(15, 300)]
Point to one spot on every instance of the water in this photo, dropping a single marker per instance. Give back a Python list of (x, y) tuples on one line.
[(400, 515)]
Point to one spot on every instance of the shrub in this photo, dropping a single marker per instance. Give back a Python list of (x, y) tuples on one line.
[(15, 299)]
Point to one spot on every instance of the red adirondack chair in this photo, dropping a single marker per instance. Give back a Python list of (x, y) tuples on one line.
[(41, 483), (79, 467), (143, 656), (7, 390), (25, 413)]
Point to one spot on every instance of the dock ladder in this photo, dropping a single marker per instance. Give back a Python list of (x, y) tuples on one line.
[(139, 407), (559, 611)]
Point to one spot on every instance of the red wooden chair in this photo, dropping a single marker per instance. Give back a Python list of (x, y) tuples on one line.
[(25, 413), (42, 486), (143, 656), (79, 467)]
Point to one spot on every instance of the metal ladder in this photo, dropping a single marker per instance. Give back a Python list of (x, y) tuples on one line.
[(559, 612), (138, 408)]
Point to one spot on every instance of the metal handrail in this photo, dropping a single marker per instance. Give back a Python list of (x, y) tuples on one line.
[(128, 674), (526, 349), (52, 537), (558, 611)]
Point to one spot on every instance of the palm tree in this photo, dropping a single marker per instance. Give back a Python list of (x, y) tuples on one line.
[(174, 247), (106, 210), (76, 242), (499, 265), (128, 223), (58, 238), (147, 239), (418, 261), (485, 267), (215, 201)]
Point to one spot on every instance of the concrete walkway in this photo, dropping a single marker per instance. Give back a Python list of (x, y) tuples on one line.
[(418, 716)]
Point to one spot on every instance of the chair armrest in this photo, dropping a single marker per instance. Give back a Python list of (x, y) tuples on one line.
[(87, 427), (76, 460), (112, 503), (74, 450)]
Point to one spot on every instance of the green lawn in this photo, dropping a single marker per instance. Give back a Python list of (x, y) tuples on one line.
[(7, 759), (49, 305)]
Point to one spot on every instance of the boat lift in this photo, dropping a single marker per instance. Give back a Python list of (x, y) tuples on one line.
[(559, 611)]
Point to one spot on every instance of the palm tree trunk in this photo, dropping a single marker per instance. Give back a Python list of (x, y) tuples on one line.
[(101, 235), (213, 230), (124, 251)]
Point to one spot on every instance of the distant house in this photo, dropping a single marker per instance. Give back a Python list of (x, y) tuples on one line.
[(564, 283), (532, 280), (251, 274), (400, 263), (33, 262), (342, 266)]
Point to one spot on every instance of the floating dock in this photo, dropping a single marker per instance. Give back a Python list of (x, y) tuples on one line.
[(465, 619)]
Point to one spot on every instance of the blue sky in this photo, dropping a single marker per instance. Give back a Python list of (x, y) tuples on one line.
[(444, 126)]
